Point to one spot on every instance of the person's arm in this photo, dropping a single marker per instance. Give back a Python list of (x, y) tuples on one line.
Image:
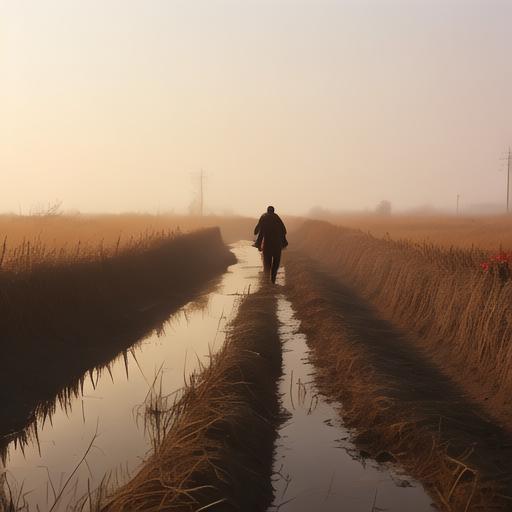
[(258, 226), (283, 227), (283, 231)]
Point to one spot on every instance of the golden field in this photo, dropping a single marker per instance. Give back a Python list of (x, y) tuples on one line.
[(485, 232), (27, 241)]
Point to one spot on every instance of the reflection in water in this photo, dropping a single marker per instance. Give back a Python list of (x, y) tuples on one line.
[(100, 412), (34, 384), (315, 467), (101, 416)]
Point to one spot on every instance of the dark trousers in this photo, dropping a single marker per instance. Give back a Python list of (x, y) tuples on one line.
[(271, 261)]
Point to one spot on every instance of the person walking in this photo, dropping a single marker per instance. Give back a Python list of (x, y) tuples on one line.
[(271, 240)]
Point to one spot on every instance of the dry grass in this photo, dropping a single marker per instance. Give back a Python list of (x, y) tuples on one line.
[(26, 240), (216, 443), (485, 232), (403, 409), (59, 322), (459, 313)]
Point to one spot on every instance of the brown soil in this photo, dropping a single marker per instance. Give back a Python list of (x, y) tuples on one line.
[(217, 451), (402, 406)]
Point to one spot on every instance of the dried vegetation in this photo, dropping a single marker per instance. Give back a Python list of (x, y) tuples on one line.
[(31, 240), (487, 232), (458, 313), (402, 408), (214, 443), (60, 319)]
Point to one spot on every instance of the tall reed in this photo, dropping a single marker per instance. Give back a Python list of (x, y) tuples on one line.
[(461, 314), (487, 232), (215, 442), (61, 320)]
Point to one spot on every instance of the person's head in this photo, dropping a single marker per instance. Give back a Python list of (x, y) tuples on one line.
[(270, 209)]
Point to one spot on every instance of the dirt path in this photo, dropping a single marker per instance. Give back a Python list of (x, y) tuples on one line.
[(402, 407), (315, 464)]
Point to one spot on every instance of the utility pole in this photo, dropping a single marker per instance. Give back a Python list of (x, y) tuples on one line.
[(197, 204), (509, 157)]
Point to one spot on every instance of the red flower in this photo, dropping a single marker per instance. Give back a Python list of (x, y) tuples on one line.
[(501, 257), (485, 267)]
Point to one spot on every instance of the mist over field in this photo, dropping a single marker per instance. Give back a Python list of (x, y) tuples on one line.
[(255, 255), (116, 106)]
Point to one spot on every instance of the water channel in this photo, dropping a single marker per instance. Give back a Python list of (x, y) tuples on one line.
[(109, 405), (314, 466)]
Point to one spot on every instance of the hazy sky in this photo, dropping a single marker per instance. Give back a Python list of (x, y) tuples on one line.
[(113, 105)]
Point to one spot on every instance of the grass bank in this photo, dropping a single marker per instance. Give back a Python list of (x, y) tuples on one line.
[(487, 232), (458, 313), (64, 237), (217, 438), (60, 321), (402, 408)]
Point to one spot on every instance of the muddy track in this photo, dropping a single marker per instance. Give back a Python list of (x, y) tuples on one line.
[(402, 407)]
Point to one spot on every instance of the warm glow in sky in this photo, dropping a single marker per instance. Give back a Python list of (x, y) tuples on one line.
[(113, 105)]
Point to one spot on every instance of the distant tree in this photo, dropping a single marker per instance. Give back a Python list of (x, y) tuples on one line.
[(383, 208)]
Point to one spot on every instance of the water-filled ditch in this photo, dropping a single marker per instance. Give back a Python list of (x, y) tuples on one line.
[(111, 402), (315, 465)]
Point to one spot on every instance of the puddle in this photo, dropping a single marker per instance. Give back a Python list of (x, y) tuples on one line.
[(109, 407), (315, 465)]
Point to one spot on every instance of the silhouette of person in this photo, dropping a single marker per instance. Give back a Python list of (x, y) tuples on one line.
[(271, 240)]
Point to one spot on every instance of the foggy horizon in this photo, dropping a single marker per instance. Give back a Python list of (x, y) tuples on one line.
[(256, 255), (114, 107)]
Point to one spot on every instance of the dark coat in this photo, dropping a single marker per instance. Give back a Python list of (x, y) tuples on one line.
[(272, 230)]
